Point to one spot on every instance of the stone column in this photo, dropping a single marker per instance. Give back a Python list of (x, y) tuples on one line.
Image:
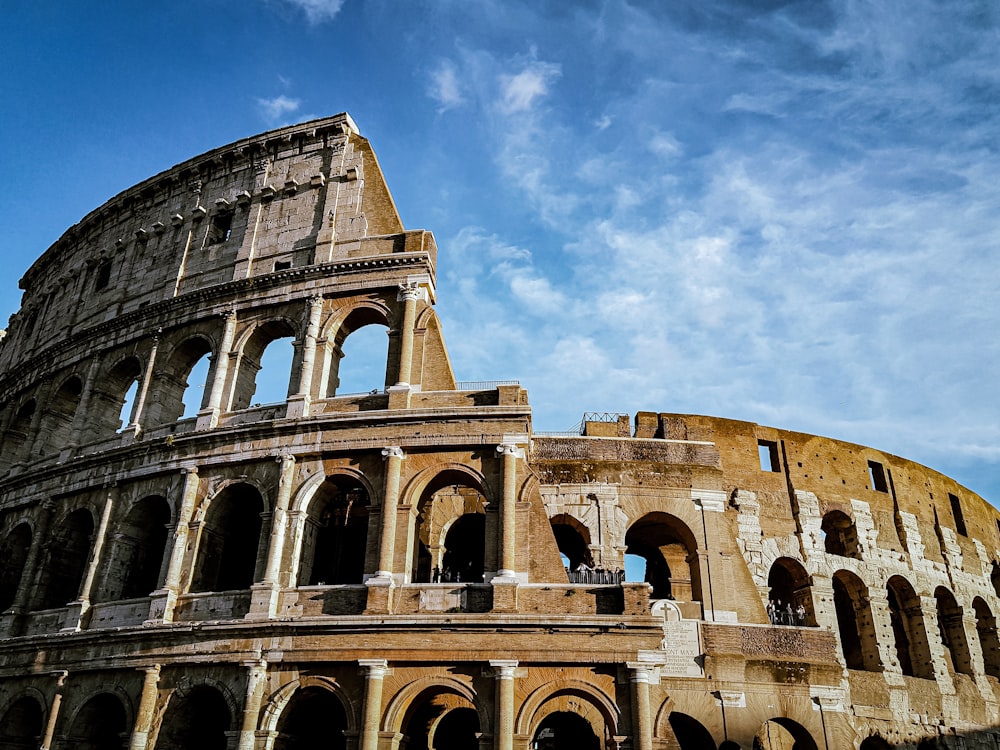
[(256, 675), (508, 510), (642, 721), (162, 602), (82, 409), (298, 404), (265, 594), (50, 725), (374, 671), (140, 399), (503, 670), (209, 416), (408, 295), (380, 585), (76, 612), (147, 708), (10, 622)]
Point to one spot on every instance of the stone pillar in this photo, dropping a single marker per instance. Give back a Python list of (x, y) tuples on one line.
[(77, 610), (135, 426), (408, 295), (298, 404), (256, 675), (50, 725), (374, 671), (380, 586), (82, 409), (508, 510), (209, 416), (503, 670), (161, 608), (147, 708), (642, 720), (265, 594), (10, 622)]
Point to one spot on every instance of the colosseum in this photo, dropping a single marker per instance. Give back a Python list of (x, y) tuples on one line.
[(413, 566)]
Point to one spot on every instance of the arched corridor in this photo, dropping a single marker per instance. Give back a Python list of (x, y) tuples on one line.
[(671, 554), (563, 730), (195, 719), (335, 537), (100, 725), (229, 540), (313, 718)]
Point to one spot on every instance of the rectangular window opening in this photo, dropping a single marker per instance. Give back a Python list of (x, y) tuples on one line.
[(767, 451), (103, 276), (876, 473), (221, 228), (956, 512), (282, 265)]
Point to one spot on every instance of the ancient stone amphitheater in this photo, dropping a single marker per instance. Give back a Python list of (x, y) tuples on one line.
[(412, 566)]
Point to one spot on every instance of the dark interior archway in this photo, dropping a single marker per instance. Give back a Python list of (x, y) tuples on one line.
[(563, 730), (573, 540), (99, 725), (335, 539), (670, 551), (782, 733), (13, 556), (67, 560), (690, 733), (791, 592), (840, 535), (463, 549), (137, 551), (21, 725), (195, 720), (313, 718), (441, 720), (227, 548)]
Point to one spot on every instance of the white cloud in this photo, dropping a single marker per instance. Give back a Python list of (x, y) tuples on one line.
[(318, 11), (276, 108), (519, 92), (444, 87)]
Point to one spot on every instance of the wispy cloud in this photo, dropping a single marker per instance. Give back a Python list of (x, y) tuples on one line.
[(318, 11), (277, 108), (520, 91), (444, 86)]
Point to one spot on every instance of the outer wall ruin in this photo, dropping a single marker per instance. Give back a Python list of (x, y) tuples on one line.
[(412, 566)]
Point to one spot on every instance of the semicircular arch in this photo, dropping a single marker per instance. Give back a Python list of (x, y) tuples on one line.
[(431, 479), (533, 711), (402, 701), (280, 698)]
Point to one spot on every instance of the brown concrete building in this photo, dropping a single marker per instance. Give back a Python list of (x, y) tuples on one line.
[(414, 567)]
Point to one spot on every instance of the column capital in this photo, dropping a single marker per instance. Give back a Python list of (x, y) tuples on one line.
[(510, 449), (503, 669), (376, 668), (410, 291), (153, 669), (393, 451), (316, 300), (60, 676), (284, 458), (185, 470), (641, 671)]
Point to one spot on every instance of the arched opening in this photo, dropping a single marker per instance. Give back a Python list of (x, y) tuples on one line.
[(229, 540), (137, 553), (56, 426), (335, 538), (361, 364), (13, 556), (451, 531), (690, 733), (573, 540), (100, 725), (113, 399), (855, 626), (907, 622), (986, 628), (358, 354), (441, 721), (840, 535), (995, 577), (790, 596), (66, 563), (949, 620), (265, 366), (180, 385), (313, 718), (197, 719), (16, 435), (563, 730), (671, 554), (875, 743), (783, 734), (21, 726)]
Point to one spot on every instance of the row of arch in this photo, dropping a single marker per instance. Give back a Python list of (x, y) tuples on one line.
[(430, 714), (93, 403), (788, 581)]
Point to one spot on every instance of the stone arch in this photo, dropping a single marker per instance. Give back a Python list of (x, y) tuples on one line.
[(68, 553), (172, 389), (404, 702), (439, 496), (573, 540), (229, 539), (338, 329), (909, 634), (671, 553), (986, 628), (790, 589), (995, 577), (690, 733), (840, 535), (251, 347), (100, 723), (196, 717), (13, 555), (136, 554), (855, 624), (112, 397), (533, 710), (15, 437), (781, 733), (56, 425), (875, 742), (952, 631), (334, 535), (280, 698), (22, 723)]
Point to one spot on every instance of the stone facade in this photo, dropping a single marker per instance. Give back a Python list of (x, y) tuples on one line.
[(182, 567)]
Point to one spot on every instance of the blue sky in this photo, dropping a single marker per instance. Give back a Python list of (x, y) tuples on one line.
[(781, 212)]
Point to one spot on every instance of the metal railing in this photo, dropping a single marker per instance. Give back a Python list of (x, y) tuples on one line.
[(482, 385)]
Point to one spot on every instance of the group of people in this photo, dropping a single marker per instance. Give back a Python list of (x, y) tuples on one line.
[(583, 573), (455, 576), (785, 614)]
